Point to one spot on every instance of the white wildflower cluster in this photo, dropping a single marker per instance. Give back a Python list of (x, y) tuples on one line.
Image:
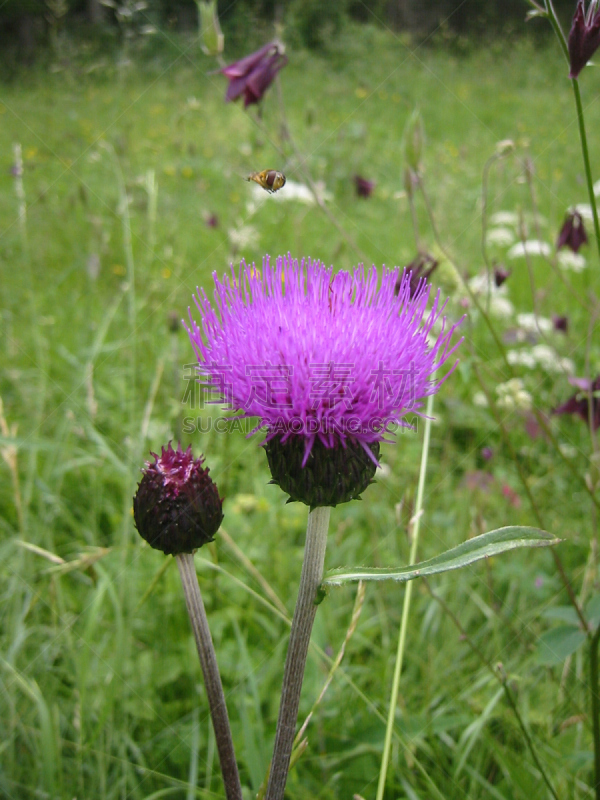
[(543, 356), (585, 211), (505, 218), (480, 400), (512, 396), (484, 287), (242, 237), (502, 237), (532, 323), (531, 247), (293, 191), (570, 261)]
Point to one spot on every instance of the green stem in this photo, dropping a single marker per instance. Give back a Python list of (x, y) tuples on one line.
[(586, 160), (595, 698), (557, 29), (406, 607), (212, 679), (304, 617)]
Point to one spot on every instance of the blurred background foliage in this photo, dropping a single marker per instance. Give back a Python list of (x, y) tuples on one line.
[(25, 25)]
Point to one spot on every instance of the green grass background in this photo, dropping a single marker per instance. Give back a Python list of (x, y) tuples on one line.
[(101, 691)]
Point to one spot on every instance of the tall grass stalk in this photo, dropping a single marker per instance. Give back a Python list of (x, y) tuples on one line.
[(387, 745)]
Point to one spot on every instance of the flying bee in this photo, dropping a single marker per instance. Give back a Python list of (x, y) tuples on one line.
[(269, 179)]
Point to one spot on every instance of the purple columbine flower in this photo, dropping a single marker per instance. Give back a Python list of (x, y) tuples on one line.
[(560, 323), (329, 363), (579, 403), (584, 36), (364, 187), (501, 274), (252, 75), (419, 269), (572, 234)]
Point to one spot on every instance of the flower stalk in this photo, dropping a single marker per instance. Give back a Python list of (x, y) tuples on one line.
[(406, 606), (304, 616), (212, 679), (595, 703), (586, 160)]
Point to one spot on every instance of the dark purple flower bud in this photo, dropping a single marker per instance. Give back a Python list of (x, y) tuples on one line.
[(252, 75), (501, 274), (420, 268), (560, 323), (584, 36), (487, 453), (364, 188), (572, 234), (211, 221), (177, 507), (579, 403)]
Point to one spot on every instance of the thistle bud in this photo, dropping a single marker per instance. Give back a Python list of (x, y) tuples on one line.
[(212, 40), (177, 507), (414, 139), (330, 476)]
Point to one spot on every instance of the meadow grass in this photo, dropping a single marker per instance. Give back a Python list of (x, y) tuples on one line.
[(123, 164)]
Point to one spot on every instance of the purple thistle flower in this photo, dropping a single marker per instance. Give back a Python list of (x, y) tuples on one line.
[(252, 75), (579, 403), (364, 187), (327, 362), (584, 36), (572, 234)]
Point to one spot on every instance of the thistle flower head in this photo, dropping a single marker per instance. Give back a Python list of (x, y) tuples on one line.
[(327, 362), (177, 507)]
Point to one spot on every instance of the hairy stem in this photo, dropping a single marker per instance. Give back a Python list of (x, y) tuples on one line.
[(304, 616), (212, 679)]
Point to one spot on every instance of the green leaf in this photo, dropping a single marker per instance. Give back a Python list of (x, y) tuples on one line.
[(592, 611), (566, 614), (488, 544), (555, 645)]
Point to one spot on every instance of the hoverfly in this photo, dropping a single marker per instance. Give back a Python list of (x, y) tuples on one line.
[(270, 179)]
